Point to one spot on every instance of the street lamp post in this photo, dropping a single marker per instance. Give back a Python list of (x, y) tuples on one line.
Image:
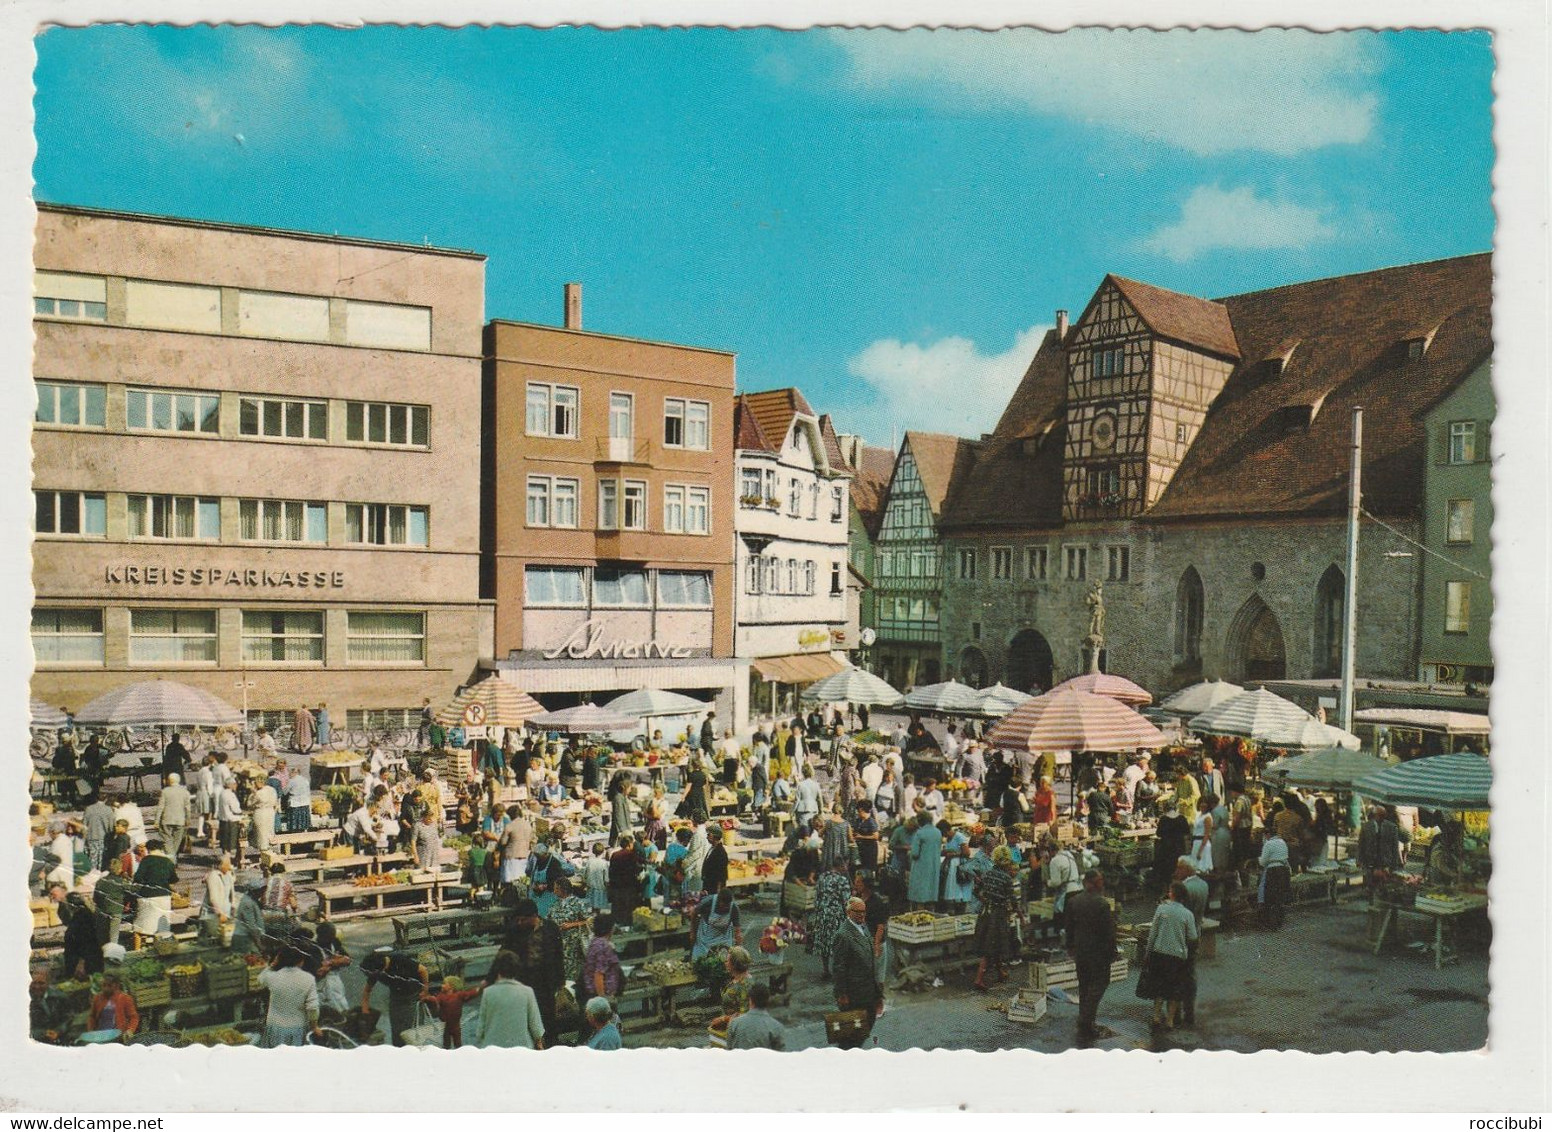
[(1350, 599), (244, 684)]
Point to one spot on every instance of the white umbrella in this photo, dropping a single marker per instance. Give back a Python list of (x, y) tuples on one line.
[(46, 717), (1200, 697), (648, 703), (852, 686), (1310, 735), (1252, 715), (999, 700), (584, 719), (948, 698), (158, 703)]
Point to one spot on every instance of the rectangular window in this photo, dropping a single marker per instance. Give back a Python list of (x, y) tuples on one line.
[(65, 403), (1037, 563), (886, 565), (58, 295), (69, 513), (388, 326), (268, 314), (67, 636), (282, 636), (174, 517), (1118, 563), (794, 497), (538, 501), (751, 489), (791, 579), (1182, 433), (1463, 442), (810, 577), (752, 574), (172, 636), (697, 511), (1459, 520), (552, 410), (1002, 563), (835, 579), (620, 587), (686, 424), (673, 509), (386, 524), (283, 419), (635, 516), (1108, 362), (1075, 562), (378, 422), (172, 306), (608, 505), (684, 589), (282, 520), (552, 501), (621, 416), (375, 637), (1457, 607), (967, 564), (1104, 483), (837, 503), (173, 412), (553, 586)]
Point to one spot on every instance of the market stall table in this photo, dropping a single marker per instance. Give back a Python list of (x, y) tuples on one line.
[(1444, 911), (285, 844), (423, 890)]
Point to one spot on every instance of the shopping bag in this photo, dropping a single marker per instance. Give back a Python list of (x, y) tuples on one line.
[(426, 1031)]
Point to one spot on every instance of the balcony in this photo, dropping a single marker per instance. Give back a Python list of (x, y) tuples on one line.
[(627, 546), (622, 450)]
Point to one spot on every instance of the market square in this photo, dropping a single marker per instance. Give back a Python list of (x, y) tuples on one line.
[(420, 666)]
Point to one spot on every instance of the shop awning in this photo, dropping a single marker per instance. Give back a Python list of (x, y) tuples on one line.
[(1450, 722), (799, 668)]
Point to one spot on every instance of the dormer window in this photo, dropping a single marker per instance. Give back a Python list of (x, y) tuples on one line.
[(1414, 346)]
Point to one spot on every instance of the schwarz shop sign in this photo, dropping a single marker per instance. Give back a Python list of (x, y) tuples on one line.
[(588, 642), (220, 576)]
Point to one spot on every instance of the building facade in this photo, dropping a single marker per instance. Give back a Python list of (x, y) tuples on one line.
[(609, 499), (249, 464), (1190, 457), (791, 523), (1457, 523), (908, 581)]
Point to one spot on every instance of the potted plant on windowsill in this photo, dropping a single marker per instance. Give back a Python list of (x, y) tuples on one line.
[(751, 500), (772, 503)]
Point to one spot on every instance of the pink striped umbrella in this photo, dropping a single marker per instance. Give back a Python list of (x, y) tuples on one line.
[(1074, 720), (1104, 684)]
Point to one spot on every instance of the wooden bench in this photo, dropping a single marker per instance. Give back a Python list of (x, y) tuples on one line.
[(285, 844), (347, 901)]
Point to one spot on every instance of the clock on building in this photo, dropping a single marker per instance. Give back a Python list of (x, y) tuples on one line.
[(1103, 432)]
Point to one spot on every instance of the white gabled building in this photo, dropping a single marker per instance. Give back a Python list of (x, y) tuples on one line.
[(792, 525)]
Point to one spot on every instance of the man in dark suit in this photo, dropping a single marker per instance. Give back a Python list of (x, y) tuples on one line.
[(1091, 941), (855, 969)]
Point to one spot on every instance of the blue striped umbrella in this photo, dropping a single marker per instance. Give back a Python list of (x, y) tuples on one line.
[(1437, 782)]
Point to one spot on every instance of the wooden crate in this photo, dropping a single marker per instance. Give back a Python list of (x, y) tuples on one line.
[(944, 928), (157, 993), (965, 925), (911, 933), (45, 914), (1028, 1007), (227, 980), (336, 852), (1063, 973), (1042, 909), (797, 897)]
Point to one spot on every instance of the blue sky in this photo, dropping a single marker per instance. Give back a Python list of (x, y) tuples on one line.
[(887, 220)]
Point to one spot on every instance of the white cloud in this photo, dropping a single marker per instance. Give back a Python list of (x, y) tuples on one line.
[(1213, 217), (947, 385), (1280, 91)]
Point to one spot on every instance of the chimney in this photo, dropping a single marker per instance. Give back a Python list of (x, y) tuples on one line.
[(573, 306), (1061, 326)]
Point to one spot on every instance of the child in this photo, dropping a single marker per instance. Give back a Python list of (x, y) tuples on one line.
[(596, 872), (448, 1004)]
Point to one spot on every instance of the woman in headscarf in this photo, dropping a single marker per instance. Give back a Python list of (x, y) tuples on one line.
[(653, 828), (997, 894), (619, 806), (957, 890), (303, 730), (1169, 845), (714, 923), (829, 914), (835, 845), (546, 871), (572, 914)]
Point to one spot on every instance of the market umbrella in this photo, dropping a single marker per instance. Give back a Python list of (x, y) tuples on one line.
[(1436, 782), (1200, 697), (999, 700), (852, 686), (1104, 684), (1335, 768), (648, 703), (1074, 720), (46, 717), (584, 719), (948, 698), (500, 704), (1310, 735), (1252, 715), (158, 703)]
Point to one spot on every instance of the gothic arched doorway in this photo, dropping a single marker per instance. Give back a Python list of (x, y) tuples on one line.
[(972, 667), (1029, 662), (1256, 643), (1329, 596)]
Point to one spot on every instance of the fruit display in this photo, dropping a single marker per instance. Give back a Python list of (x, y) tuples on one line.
[(185, 970), (226, 1037), (666, 971), (915, 919)]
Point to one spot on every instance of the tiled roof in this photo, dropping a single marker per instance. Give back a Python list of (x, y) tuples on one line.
[(773, 411), (870, 486), (832, 445), (1277, 438), (939, 459), (1181, 318), (1251, 457)]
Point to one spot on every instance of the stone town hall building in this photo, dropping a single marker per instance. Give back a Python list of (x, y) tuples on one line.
[(1192, 455)]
